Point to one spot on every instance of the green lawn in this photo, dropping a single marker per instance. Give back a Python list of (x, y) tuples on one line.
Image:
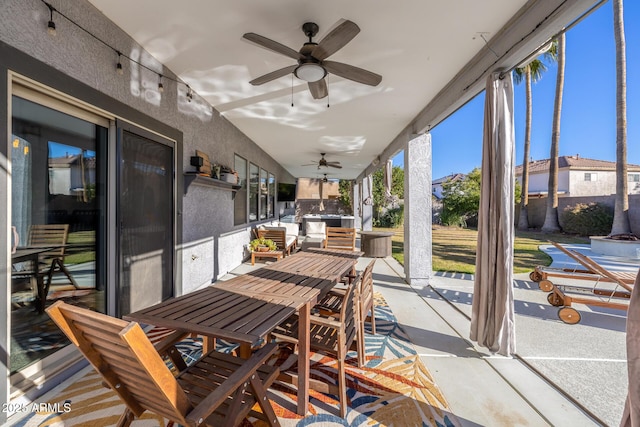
[(454, 249)]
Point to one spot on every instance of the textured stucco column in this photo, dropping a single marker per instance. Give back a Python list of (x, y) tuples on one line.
[(367, 209), (417, 211), (356, 202)]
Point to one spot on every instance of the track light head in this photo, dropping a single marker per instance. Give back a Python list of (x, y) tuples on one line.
[(160, 85), (119, 69)]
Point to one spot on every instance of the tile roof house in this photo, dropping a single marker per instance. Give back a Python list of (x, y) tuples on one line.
[(436, 184), (578, 176)]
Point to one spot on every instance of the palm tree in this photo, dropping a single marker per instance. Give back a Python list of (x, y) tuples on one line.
[(621, 210), (551, 223), (531, 72)]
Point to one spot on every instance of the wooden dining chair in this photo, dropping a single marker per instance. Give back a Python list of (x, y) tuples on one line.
[(333, 335), (56, 236), (218, 390), (340, 238), (332, 303)]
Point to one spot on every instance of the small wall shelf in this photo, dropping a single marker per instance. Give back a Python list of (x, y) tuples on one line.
[(195, 179)]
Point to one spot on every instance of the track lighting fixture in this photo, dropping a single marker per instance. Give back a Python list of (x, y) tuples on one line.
[(51, 26), (160, 85)]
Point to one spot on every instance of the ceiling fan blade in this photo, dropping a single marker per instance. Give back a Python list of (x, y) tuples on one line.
[(272, 45), (318, 89), (273, 75), (352, 73), (335, 40), (333, 165)]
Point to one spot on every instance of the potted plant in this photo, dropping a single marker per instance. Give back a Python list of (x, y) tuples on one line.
[(262, 245)]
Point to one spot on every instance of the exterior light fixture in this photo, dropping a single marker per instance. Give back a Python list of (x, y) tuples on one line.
[(160, 85), (189, 93), (119, 69), (51, 26), (310, 72)]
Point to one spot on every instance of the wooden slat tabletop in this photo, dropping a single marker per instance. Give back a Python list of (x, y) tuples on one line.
[(218, 313)]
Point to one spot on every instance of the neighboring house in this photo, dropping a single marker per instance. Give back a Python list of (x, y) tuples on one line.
[(436, 184), (69, 175), (578, 177)]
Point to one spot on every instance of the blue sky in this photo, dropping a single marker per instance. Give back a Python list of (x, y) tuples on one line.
[(588, 111)]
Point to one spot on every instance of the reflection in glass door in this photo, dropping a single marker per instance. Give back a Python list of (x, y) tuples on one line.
[(58, 204), (146, 209)]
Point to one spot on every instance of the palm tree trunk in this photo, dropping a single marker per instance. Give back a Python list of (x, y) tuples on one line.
[(551, 223), (621, 211), (523, 220)]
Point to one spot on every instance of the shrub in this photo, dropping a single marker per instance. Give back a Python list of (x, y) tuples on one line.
[(587, 219), (393, 218)]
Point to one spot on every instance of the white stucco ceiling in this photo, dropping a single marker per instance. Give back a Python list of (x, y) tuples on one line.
[(417, 46)]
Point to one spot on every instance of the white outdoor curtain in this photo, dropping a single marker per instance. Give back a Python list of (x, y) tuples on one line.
[(388, 168), (321, 208), (492, 316), (631, 414), (368, 196)]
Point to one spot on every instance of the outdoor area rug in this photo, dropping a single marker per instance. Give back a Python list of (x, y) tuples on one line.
[(393, 389)]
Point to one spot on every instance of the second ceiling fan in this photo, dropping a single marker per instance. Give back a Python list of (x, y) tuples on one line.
[(312, 65)]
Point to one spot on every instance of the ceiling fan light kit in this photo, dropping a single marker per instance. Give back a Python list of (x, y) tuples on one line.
[(310, 72)]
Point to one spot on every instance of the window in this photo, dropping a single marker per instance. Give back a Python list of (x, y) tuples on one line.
[(254, 178), (240, 201), (272, 196), (590, 176), (263, 194), (634, 177)]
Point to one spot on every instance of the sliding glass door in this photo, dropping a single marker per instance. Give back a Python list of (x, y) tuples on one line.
[(145, 218)]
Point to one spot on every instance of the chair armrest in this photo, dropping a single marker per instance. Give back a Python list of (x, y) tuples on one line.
[(325, 321), (210, 403), (166, 346)]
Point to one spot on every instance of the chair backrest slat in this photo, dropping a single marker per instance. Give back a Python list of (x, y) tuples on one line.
[(340, 238), (279, 237), (55, 235), (127, 360), (366, 288)]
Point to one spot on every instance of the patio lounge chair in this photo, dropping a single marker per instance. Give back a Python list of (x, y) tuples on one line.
[(541, 274), (279, 236), (560, 295), (218, 390), (333, 335)]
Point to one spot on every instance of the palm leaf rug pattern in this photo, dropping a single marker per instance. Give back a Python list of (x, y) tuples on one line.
[(393, 388)]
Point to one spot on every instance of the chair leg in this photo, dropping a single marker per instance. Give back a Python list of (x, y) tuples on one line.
[(126, 418), (360, 344), (342, 386), (261, 396), (373, 320)]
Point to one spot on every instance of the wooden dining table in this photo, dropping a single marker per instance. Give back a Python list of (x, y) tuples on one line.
[(246, 308)]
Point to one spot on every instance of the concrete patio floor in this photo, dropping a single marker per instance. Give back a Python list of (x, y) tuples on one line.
[(563, 375)]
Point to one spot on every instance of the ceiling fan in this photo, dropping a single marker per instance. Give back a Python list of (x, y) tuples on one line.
[(324, 163), (312, 65)]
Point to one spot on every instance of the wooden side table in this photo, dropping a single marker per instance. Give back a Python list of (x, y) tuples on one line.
[(268, 254)]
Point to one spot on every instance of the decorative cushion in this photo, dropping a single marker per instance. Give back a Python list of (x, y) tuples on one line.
[(292, 228)]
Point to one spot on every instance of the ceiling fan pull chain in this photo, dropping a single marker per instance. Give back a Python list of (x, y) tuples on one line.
[(328, 91), (292, 90)]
